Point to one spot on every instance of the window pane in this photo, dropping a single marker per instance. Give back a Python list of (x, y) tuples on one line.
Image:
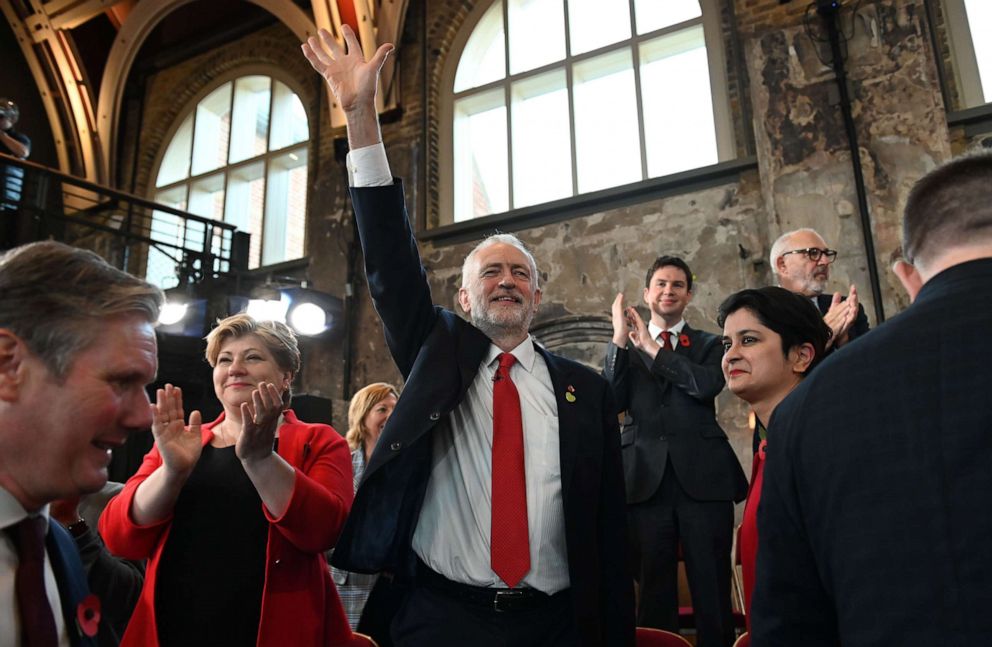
[(289, 119), (595, 24), (537, 33), (245, 204), (213, 126), (656, 14), (285, 207), (160, 268), (480, 156), (206, 197), (979, 22), (542, 152), (175, 163), (250, 124), (484, 57), (680, 134), (606, 137)]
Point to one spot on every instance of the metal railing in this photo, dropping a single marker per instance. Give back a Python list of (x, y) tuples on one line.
[(167, 245)]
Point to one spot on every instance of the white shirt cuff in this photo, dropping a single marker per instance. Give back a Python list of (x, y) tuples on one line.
[(368, 166)]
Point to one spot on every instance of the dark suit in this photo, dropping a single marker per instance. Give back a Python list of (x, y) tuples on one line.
[(874, 522), (681, 478), (439, 354), (71, 579)]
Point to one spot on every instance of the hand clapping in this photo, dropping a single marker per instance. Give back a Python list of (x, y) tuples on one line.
[(179, 446)]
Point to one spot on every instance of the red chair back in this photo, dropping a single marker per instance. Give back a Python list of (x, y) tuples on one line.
[(743, 641), (647, 637)]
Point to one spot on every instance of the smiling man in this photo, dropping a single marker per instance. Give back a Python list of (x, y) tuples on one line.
[(495, 489), (681, 475), (77, 347)]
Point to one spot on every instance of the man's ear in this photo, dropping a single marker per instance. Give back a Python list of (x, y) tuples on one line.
[(910, 278), (12, 355), (464, 301)]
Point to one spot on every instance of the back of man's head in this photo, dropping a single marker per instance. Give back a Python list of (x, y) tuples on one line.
[(55, 297), (949, 209)]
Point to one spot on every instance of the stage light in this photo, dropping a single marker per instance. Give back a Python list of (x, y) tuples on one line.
[(268, 309), (308, 319), (172, 312)]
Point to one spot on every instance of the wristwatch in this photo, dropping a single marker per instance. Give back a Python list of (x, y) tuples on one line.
[(78, 528)]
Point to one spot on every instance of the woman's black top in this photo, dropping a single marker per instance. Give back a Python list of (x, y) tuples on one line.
[(212, 570)]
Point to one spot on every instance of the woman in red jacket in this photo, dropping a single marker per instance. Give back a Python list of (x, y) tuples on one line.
[(771, 338), (234, 516)]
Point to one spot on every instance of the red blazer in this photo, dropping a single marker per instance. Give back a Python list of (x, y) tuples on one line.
[(300, 605)]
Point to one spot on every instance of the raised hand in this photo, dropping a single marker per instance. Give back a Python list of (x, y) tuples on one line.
[(620, 324), (351, 78), (179, 446), (259, 421), (840, 316), (640, 336)]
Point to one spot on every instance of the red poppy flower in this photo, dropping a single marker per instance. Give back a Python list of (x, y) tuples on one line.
[(88, 615), (684, 341)]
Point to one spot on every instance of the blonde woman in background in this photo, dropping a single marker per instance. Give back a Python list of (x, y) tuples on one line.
[(368, 412)]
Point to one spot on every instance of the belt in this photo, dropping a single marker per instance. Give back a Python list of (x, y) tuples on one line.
[(499, 600)]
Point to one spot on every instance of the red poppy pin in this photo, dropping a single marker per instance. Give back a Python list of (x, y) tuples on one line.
[(88, 615), (684, 340)]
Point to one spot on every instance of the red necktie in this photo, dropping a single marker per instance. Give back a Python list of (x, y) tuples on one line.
[(666, 339), (37, 621), (509, 546)]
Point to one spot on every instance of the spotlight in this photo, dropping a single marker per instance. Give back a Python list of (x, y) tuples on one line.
[(311, 312), (182, 315), (268, 309), (172, 313), (308, 319)]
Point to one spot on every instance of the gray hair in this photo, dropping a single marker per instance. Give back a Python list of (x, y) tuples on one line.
[(495, 239), (781, 244), (56, 298)]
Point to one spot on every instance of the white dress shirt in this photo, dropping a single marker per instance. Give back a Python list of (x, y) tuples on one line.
[(453, 533), (676, 330), (11, 512)]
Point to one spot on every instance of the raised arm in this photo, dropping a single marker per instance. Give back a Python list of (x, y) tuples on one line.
[(352, 79)]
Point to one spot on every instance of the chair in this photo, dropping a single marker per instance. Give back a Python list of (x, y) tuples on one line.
[(648, 637), (737, 580), (361, 640), (743, 641)]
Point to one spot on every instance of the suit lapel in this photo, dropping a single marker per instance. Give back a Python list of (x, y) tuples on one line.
[(568, 420)]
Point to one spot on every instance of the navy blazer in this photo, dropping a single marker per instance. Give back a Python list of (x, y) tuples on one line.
[(439, 354), (71, 578), (671, 415), (874, 521)]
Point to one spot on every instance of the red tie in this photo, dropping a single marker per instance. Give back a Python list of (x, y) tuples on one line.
[(37, 622), (666, 339), (509, 547)]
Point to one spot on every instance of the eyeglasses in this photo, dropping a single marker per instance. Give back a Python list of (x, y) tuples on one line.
[(814, 253)]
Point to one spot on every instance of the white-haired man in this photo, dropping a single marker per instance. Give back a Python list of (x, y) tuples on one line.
[(801, 261), (496, 488)]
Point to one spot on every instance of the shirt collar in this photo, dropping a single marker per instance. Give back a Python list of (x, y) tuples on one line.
[(524, 352), (676, 330), (11, 510)]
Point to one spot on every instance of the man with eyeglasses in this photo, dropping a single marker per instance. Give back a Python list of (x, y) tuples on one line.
[(801, 261)]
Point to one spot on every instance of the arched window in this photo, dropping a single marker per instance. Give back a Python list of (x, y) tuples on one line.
[(551, 99), (239, 156), (972, 57)]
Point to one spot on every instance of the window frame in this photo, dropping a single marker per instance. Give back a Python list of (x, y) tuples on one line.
[(439, 222), (266, 158)]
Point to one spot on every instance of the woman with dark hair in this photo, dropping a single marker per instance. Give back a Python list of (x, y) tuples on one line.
[(771, 338)]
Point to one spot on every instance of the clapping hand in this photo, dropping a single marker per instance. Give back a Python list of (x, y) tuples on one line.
[(259, 421), (179, 445)]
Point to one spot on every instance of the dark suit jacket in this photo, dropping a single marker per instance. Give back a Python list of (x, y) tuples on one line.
[(71, 579), (439, 354), (874, 523), (671, 414)]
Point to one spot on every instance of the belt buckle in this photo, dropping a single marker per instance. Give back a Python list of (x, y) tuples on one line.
[(503, 601)]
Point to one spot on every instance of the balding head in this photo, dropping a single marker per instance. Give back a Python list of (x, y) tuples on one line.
[(794, 269)]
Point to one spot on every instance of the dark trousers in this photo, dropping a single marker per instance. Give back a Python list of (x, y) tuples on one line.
[(432, 617), (705, 530)]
